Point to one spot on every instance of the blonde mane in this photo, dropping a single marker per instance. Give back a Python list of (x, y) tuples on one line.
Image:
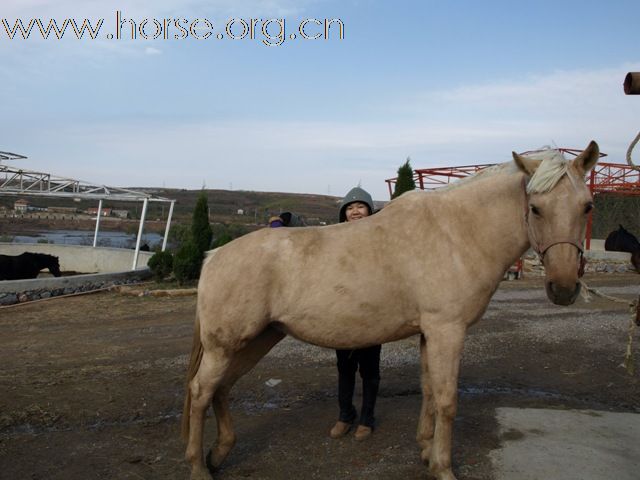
[(552, 168), (507, 167)]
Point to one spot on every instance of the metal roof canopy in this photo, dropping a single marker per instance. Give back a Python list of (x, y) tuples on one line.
[(20, 182), (611, 178)]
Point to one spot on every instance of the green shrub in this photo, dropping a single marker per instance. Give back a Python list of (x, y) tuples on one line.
[(187, 263), (223, 239), (179, 234), (161, 265)]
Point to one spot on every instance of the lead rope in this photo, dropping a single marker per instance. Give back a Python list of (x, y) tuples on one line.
[(630, 149), (634, 309)]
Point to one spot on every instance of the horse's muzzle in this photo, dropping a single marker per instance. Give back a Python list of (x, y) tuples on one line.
[(562, 295)]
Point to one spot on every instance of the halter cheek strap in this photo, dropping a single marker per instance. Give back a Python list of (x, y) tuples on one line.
[(541, 248)]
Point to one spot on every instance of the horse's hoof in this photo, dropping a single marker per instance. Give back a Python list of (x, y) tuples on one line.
[(216, 456), (425, 450), (425, 453), (200, 474), (445, 475), (209, 460)]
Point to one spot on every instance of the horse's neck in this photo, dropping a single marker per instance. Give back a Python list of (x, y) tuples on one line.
[(492, 211), (39, 261)]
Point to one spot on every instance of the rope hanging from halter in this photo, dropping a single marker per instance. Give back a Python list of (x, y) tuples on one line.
[(630, 149), (634, 309)]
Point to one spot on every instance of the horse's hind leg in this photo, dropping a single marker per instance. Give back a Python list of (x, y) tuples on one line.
[(425, 424), (242, 362), (203, 386)]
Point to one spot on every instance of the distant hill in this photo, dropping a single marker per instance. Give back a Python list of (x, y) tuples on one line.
[(257, 207), (224, 205)]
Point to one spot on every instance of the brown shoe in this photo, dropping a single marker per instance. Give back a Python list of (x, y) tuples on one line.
[(363, 432), (340, 429)]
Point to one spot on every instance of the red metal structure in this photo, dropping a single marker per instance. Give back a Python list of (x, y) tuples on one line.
[(611, 178)]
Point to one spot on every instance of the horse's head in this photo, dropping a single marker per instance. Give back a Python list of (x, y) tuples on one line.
[(53, 265), (558, 204)]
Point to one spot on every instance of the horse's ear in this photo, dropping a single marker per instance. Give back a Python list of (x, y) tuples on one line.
[(588, 158), (526, 165)]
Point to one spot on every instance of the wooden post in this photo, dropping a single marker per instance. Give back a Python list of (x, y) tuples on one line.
[(632, 83)]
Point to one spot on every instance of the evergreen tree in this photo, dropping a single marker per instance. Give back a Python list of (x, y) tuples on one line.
[(405, 181), (188, 260), (201, 232)]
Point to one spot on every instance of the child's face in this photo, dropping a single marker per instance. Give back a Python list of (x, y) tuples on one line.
[(356, 211)]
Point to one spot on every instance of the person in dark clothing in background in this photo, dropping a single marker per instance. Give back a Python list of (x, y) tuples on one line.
[(357, 204)]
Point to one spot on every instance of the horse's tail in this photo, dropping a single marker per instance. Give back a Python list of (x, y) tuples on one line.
[(194, 364)]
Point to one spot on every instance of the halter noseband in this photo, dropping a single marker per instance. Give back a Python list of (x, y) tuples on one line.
[(541, 248)]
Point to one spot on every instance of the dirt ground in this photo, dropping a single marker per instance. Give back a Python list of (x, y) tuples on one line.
[(91, 387)]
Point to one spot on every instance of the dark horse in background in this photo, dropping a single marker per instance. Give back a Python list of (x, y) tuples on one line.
[(27, 265), (622, 240)]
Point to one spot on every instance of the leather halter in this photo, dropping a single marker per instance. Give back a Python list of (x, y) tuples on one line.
[(541, 248)]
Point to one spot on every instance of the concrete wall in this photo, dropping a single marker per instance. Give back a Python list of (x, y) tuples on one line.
[(106, 267), (80, 258), (604, 256)]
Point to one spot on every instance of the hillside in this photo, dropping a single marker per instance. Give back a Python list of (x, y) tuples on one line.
[(257, 207), (225, 206)]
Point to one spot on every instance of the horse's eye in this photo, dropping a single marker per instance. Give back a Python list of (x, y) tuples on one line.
[(535, 210), (588, 208)]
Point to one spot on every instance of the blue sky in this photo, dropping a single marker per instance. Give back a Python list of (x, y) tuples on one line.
[(444, 82)]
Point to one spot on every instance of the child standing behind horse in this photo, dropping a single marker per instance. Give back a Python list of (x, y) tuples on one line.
[(357, 204)]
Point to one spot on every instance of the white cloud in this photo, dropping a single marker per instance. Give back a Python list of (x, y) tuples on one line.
[(576, 90), (153, 8), (470, 125), (152, 51), (54, 50)]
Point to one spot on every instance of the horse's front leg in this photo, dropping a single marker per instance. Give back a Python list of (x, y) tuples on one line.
[(443, 356), (425, 424)]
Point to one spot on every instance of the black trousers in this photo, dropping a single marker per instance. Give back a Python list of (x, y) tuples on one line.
[(367, 360)]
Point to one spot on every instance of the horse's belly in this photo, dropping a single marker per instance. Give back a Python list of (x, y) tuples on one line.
[(345, 335)]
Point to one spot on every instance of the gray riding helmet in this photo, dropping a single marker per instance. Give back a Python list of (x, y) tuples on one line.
[(356, 194)]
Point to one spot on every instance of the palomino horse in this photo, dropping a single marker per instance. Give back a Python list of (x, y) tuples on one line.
[(427, 264), (27, 265)]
